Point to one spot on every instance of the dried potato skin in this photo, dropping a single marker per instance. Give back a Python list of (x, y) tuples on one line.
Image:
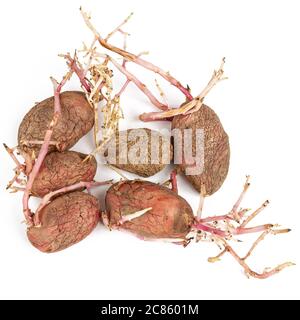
[(65, 221), (171, 216), (216, 148), (76, 120), (147, 169), (62, 169)]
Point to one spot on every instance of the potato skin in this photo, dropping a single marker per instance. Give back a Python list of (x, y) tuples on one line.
[(144, 169), (62, 169), (76, 120), (171, 216), (216, 148), (65, 221)]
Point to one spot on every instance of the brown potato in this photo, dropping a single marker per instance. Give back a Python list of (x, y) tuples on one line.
[(216, 148), (62, 169), (145, 168), (65, 221), (76, 120), (170, 217)]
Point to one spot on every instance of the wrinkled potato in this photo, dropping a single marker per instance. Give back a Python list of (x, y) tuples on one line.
[(65, 221), (62, 169), (216, 148), (76, 120), (170, 217)]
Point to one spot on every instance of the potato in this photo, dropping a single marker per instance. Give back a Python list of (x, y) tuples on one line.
[(76, 120), (216, 148), (62, 169), (145, 168), (65, 221), (170, 217)]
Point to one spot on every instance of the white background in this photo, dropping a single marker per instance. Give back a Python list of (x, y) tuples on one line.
[(259, 108)]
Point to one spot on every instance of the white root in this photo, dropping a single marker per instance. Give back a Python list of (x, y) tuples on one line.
[(134, 215)]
